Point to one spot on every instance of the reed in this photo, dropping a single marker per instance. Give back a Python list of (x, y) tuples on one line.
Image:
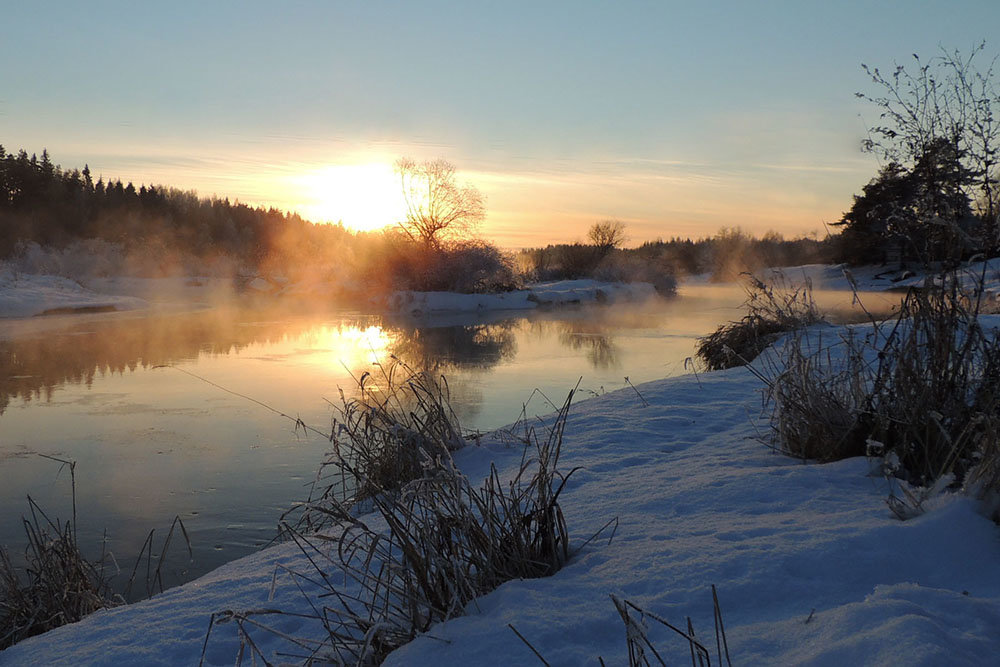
[(57, 585), (444, 541), (921, 391), (770, 311)]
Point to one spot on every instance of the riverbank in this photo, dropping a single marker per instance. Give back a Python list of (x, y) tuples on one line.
[(28, 295), (31, 295), (809, 563)]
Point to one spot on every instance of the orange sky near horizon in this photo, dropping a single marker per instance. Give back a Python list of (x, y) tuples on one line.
[(527, 208), (676, 118)]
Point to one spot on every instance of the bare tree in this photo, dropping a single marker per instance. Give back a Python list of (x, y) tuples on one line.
[(946, 99), (606, 235), (437, 207)]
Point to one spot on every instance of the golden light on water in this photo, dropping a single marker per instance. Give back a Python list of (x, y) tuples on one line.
[(356, 346), (363, 197)]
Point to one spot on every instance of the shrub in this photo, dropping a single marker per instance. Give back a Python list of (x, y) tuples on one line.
[(922, 391), (770, 312), (468, 267)]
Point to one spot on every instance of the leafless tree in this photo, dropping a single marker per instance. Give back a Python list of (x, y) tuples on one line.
[(948, 98), (606, 235), (437, 207)]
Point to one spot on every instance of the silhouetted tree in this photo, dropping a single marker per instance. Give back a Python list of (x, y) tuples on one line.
[(944, 115), (606, 235), (437, 207)]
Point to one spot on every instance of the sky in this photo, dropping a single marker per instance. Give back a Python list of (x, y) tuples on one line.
[(676, 118)]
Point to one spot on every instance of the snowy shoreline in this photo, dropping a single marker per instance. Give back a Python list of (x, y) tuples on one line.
[(810, 564), (24, 295), (28, 295)]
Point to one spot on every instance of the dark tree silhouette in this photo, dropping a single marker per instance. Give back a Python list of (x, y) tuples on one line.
[(941, 118), (437, 207), (606, 235)]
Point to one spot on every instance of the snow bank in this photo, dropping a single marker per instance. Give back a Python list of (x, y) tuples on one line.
[(810, 565), (879, 278), (25, 295), (562, 292)]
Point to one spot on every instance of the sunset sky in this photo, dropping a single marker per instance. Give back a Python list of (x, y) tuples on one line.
[(677, 118)]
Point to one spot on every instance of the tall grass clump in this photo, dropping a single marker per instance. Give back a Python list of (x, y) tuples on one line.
[(771, 311), (57, 585), (381, 437), (820, 398), (435, 542), (920, 390)]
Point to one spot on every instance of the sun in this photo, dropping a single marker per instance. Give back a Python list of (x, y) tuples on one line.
[(364, 197)]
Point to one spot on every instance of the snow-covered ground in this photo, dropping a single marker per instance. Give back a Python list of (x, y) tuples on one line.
[(556, 293), (879, 278), (810, 565), (25, 295)]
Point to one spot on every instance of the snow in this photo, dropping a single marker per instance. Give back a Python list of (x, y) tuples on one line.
[(810, 564), (561, 292), (25, 295), (881, 278)]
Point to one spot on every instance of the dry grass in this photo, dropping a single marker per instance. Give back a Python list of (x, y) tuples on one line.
[(820, 399), (639, 639), (922, 391), (442, 543), (380, 440), (58, 585), (55, 583), (771, 311)]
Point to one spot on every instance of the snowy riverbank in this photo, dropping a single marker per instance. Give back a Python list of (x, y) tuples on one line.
[(28, 295), (810, 564), (881, 278), (548, 294)]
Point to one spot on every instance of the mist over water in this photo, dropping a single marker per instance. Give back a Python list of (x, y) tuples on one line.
[(117, 393)]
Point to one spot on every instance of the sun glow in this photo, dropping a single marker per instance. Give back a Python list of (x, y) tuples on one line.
[(363, 197), (359, 347)]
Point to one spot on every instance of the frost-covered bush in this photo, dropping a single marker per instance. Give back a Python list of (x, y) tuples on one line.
[(468, 267), (476, 267), (922, 390), (630, 268), (79, 260), (770, 312)]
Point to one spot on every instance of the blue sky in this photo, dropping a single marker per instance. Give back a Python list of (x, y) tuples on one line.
[(676, 117)]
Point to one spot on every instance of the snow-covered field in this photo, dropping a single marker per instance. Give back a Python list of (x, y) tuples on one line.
[(810, 564)]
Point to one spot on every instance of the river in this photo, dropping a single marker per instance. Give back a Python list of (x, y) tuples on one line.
[(162, 411)]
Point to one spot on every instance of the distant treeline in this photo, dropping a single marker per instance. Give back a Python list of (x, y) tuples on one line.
[(42, 203), (723, 256), (155, 230)]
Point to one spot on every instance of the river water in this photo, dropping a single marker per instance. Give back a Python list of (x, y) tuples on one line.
[(161, 411)]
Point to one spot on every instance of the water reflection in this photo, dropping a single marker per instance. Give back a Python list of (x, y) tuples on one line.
[(34, 367), (153, 443), (594, 341), (435, 349)]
